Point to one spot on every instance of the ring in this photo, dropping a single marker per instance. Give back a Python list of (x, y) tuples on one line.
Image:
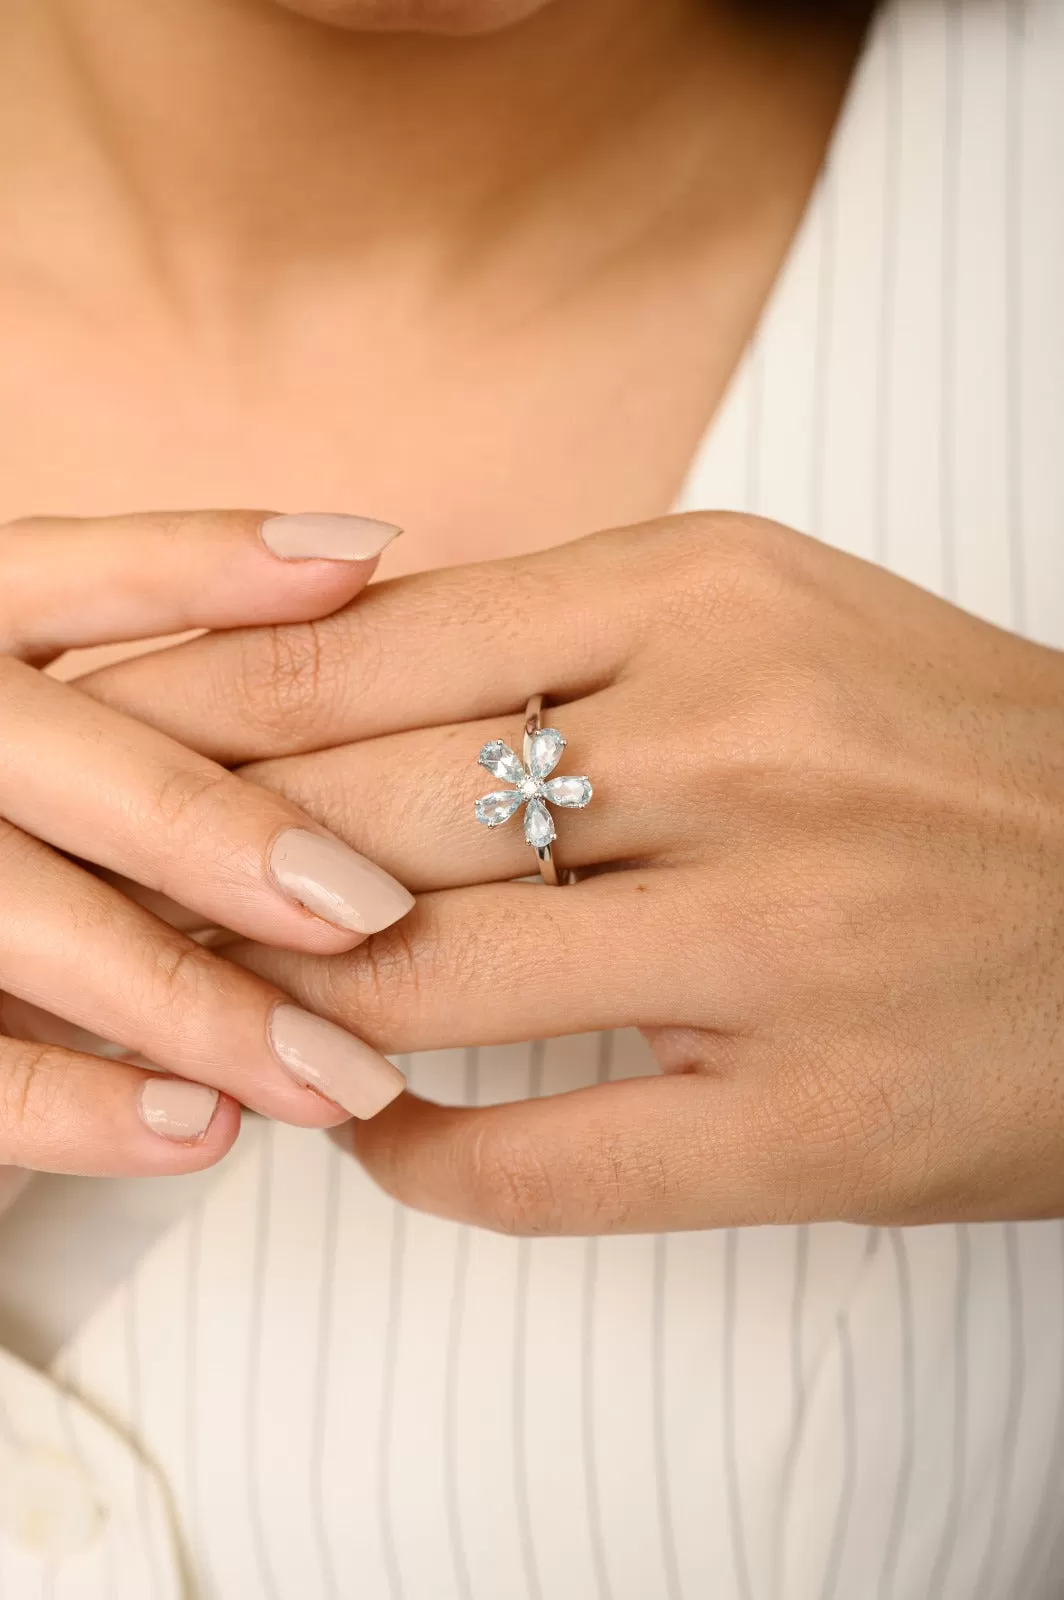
[(534, 788)]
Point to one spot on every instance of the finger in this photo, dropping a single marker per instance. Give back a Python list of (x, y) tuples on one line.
[(145, 807), (642, 1155), (66, 583), (408, 800), (63, 1112), (506, 962), (440, 647), (74, 946)]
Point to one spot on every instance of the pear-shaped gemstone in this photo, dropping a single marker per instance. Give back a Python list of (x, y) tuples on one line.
[(545, 751), (501, 762), (568, 791), (492, 809), (539, 825)]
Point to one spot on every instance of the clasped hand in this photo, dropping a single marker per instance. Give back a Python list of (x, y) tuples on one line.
[(823, 870)]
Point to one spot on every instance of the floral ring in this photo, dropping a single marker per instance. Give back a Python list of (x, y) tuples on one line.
[(534, 788)]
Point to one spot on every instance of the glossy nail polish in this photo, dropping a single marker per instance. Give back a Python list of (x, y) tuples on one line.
[(322, 536), (336, 883), (326, 1058), (176, 1109)]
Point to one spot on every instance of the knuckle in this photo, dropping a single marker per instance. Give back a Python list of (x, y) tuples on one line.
[(187, 797), (380, 983), (510, 1188), (178, 980), (26, 1088), (861, 1137), (282, 674)]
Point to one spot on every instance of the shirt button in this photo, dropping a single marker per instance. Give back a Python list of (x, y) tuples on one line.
[(48, 1503)]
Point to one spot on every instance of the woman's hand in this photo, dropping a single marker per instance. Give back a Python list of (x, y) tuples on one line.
[(823, 868), (78, 779)]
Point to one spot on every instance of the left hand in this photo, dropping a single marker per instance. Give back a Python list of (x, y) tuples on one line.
[(832, 812)]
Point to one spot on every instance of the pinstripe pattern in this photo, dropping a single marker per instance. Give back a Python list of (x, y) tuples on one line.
[(519, 1401), (810, 1414), (951, 1524), (267, 1578), (330, 1267), (740, 1559), (951, 146), (1003, 1488), (386, 1520), (849, 1454), (603, 1588), (671, 1586), (451, 1456), (906, 1454)]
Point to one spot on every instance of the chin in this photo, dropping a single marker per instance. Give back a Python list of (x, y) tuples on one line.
[(454, 17)]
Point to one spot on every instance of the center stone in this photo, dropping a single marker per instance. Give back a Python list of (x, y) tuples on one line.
[(530, 787)]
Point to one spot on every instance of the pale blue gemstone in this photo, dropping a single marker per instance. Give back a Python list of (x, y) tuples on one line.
[(493, 809), (545, 751), (568, 791), (501, 762), (539, 825)]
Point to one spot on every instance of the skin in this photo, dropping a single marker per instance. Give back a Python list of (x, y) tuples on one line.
[(823, 868), (834, 900), (227, 306), (79, 960)]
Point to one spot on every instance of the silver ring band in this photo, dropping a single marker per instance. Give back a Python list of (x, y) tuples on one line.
[(548, 870), (534, 788)]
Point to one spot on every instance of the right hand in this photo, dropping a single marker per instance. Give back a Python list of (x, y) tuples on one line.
[(79, 779)]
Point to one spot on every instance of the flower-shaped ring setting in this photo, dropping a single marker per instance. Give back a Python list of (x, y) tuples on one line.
[(534, 786)]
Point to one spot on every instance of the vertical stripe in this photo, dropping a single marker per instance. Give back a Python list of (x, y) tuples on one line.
[(951, 1525), (673, 1590), (907, 1449), (818, 458), (888, 284), (740, 1562), (519, 1400), (193, 1259), (268, 1587), (789, 1467), (849, 1460), (985, 1587), (951, 160), (1044, 1557), (452, 1463), (319, 1498), (386, 1424), (136, 1421), (1014, 327), (754, 428), (587, 1377)]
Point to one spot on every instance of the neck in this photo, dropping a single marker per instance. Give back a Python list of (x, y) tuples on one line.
[(214, 147)]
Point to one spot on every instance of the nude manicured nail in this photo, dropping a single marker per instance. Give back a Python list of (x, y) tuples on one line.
[(176, 1109), (322, 536), (337, 883), (326, 1058)]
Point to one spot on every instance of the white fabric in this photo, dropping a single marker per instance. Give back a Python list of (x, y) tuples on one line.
[(344, 1399)]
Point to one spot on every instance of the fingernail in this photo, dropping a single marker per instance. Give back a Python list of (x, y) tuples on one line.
[(337, 883), (344, 1069), (176, 1109), (322, 536)]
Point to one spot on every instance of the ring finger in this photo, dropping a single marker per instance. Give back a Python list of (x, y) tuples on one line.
[(407, 799)]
